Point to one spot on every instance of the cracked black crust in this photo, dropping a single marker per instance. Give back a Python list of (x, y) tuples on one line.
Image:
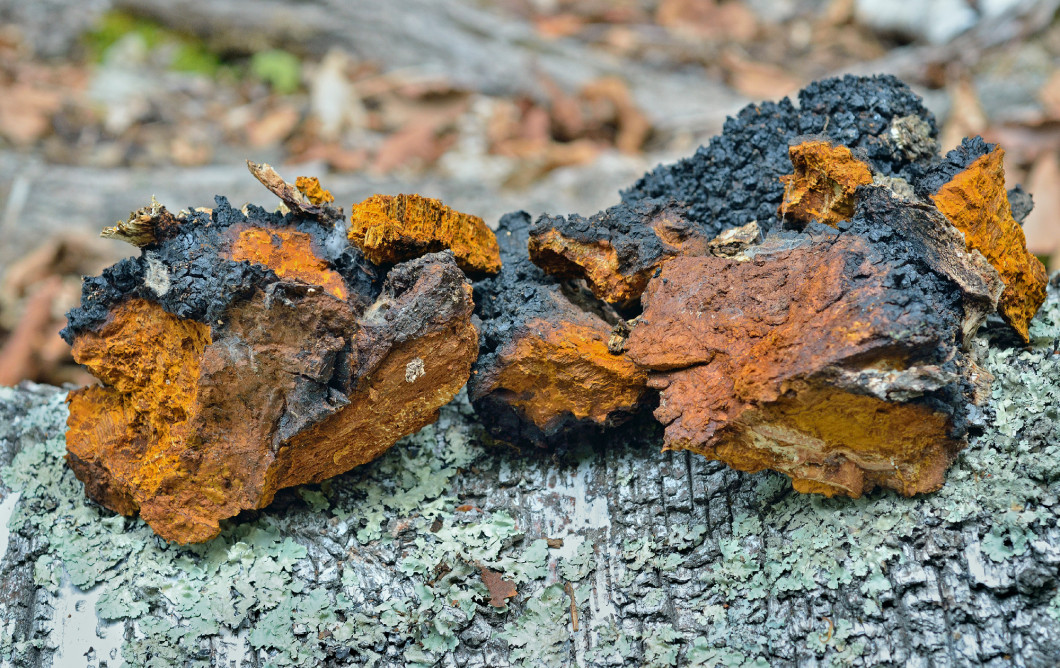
[(202, 284), (735, 178), (954, 162), (623, 227)]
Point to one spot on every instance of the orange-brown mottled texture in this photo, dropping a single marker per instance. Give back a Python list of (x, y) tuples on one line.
[(289, 253), (559, 370), (976, 202), (558, 246), (822, 185), (125, 431), (190, 429), (796, 361), (390, 229), (311, 188)]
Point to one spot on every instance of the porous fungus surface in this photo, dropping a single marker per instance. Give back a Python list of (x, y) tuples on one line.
[(246, 351), (390, 229), (823, 183), (545, 368), (673, 559), (976, 202)]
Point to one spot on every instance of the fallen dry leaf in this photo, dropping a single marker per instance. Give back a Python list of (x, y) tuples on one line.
[(274, 127), (1050, 96), (729, 21), (1042, 226), (966, 118), (19, 358), (500, 589), (757, 80)]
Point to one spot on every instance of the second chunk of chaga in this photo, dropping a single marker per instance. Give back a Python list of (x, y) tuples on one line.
[(390, 229), (835, 358), (617, 250), (823, 183), (545, 370), (969, 189)]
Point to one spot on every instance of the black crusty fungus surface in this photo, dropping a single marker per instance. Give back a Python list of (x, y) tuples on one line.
[(955, 162), (623, 227), (735, 179), (201, 283)]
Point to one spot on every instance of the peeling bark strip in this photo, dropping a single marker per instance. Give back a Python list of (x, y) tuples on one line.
[(247, 351)]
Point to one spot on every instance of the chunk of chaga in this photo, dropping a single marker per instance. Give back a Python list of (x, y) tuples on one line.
[(969, 188), (834, 357), (545, 370), (617, 250), (391, 229), (823, 183), (311, 188), (253, 351)]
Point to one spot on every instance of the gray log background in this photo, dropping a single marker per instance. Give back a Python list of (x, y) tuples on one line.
[(662, 558)]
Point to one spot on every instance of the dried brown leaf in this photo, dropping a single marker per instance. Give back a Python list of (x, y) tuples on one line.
[(500, 589)]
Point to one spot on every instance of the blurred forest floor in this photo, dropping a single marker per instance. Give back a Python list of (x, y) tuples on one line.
[(546, 105)]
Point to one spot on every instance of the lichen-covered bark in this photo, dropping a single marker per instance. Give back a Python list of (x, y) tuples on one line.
[(672, 559)]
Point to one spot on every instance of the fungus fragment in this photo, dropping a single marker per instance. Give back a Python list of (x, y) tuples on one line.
[(247, 351), (390, 229), (974, 199), (546, 369), (822, 185), (616, 251)]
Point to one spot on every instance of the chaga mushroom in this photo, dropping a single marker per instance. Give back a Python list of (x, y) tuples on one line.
[(247, 351), (390, 229), (836, 357), (823, 183), (735, 179), (969, 188), (545, 369), (616, 251)]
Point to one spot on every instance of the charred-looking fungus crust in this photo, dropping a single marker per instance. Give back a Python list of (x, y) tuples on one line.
[(810, 282), (545, 368), (390, 229), (246, 351), (735, 179), (616, 251)]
